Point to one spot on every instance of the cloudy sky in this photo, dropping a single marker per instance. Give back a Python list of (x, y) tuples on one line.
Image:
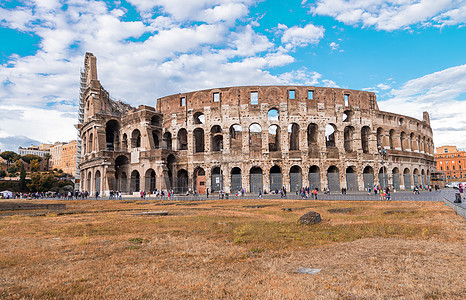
[(412, 53)]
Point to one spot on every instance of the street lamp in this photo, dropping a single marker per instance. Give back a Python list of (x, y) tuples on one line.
[(382, 153)]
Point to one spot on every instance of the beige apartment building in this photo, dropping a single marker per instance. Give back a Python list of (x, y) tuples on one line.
[(64, 157)]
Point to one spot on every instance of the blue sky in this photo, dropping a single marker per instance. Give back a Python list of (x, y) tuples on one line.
[(411, 53)]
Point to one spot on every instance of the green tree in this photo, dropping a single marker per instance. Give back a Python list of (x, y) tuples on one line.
[(35, 165), (22, 179), (12, 169), (2, 173), (9, 156), (28, 158)]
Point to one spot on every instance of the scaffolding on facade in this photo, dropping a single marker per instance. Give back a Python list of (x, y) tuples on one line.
[(82, 88)]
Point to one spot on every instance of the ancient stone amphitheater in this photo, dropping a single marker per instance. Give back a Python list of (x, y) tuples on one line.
[(251, 138)]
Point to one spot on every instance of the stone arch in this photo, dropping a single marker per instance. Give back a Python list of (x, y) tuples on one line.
[(216, 179), (383, 177), (171, 164), (368, 177), (416, 177), (236, 137), (403, 141), (276, 178), (352, 179), (273, 115), (199, 118), (121, 169), (380, 137), (348, 138), (312, 134), (407, 178), (97, 182), (199, 180), (255, 137), (333, 178), (411, 141), (124, 142), (314, 177), (274, 138), (216, 138), (182, 181), (236, 180), (167, 140), (198, 140), (150, 181), (391, 139), (365, 137), (255, 179), (296, 178), (156, 138), (182, 139), (156, 120), (293, 136), (112, 131), (135, 182), (89, 178), (330, 132), (396, 178), (91, 142), (136, 138)]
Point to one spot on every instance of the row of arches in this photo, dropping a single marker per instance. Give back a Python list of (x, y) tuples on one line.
[(352, 140), (352, 178)]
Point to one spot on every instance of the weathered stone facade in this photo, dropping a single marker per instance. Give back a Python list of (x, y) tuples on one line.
[(255, 136)]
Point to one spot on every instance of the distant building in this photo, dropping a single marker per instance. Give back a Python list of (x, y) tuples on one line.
[(35, 150), (64, 157), (452, 162)]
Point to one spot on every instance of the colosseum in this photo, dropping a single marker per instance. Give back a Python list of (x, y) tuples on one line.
[(248, 137)]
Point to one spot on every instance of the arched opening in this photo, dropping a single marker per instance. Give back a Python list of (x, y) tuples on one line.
[(167, 140), (156, 121), (351, 179), (403, 141), (236, 136), (380, 134), (199, 180), (121, 169), (296, 178), (84, 145), (347, 115), (216, 183), (255, 179), (314, 177), (255, 138), (333, 178), (293, 136), (198, 136), (312, 134), (182, 186), (418, 143), (136, 138), (407, 179), (216, 137), (276, 182), (112, 129), (330, 136), (168, 176), (396, 178), (182, 139), (89, 176), (199, 118), (368, 177), (348, 136), (416, 177), (365, 134), (274, 138), (383, 177), (411, 141), (135, 182), (150, 180), (273, 115), (392, 139), (97, 182), (236, 183), (91, 142), (124, 143), (423, 178), (155, 137)]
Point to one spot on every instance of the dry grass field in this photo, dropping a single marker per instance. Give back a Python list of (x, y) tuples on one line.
[(233, 249)]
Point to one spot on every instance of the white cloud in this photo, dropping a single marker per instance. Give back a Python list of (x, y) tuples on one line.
[(334, 46), (302, 36), (393, 14), (443, 95)]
